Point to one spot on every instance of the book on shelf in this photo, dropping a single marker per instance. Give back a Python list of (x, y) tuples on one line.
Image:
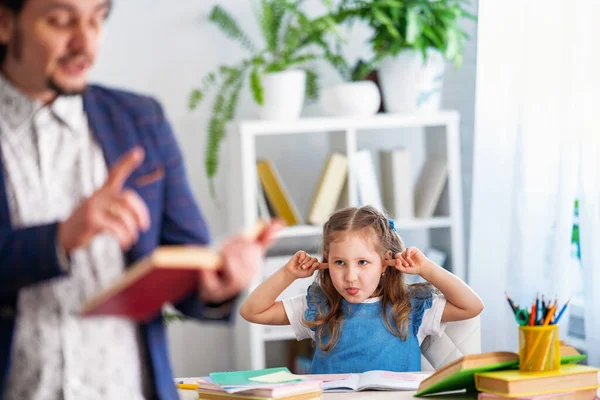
[(396, 183), (264, 208), (343, 200), (277, 194), (460, 374), (167, 275), (374, 380), (513, 383), (430, 185), (329, 189), (367, 184)]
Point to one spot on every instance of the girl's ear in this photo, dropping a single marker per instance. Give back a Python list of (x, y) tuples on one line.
[(387, 258), (325, 258)]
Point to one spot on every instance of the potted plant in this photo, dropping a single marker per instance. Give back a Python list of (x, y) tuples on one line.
[(356, 96), (276, 72), (411, 42)]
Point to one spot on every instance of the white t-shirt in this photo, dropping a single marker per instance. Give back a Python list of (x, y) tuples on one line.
[(430, 325)]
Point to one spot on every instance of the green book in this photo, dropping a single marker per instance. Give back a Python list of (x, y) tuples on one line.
[(460, 374), (243, 377)]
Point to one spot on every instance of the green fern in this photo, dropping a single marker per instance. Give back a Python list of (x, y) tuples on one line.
[(223, 111), (271, 16), (312, 85), (197, 95), (230, 27), (292, 39), (256, 86)]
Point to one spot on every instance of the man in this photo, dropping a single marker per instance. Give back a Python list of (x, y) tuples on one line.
[(92, 179)]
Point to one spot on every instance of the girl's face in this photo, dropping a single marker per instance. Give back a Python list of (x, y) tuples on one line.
[(355, 266)]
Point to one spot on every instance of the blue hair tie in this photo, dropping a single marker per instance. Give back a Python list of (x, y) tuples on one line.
[(392, 224)]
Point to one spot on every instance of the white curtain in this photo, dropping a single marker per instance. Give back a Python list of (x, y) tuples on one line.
[(528, 131), (587, 85)]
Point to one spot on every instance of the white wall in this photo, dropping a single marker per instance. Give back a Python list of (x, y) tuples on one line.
[(164, 48)]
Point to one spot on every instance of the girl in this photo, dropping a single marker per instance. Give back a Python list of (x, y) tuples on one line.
[(360, 312)]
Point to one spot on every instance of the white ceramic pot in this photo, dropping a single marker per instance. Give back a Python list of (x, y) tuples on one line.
[(283, 95), (358, 99), (409, 85)]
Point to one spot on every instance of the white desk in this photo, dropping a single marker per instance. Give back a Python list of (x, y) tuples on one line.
[(373, 395), (408, 395)]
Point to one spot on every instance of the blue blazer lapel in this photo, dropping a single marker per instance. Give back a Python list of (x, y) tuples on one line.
[(108, 125), (116, 134)]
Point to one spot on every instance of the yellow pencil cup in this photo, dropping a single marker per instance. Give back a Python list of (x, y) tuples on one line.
[(539, 348)]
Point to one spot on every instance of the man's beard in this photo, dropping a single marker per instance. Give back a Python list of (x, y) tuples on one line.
[(60, 90), (51, 82)]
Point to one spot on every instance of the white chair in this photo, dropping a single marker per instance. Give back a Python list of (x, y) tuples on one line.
[(459, 339)]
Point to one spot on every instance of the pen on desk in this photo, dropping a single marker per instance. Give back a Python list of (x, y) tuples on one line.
[(187, 386), (560, 313)]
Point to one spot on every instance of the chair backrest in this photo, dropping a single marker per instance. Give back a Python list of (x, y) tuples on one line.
[(459, 338)]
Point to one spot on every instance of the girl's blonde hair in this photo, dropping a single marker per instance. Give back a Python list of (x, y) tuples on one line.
[(392, 288)]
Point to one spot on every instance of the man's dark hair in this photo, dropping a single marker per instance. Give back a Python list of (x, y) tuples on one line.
[(15, 6)]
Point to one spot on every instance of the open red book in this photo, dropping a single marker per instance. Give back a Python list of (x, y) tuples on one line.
[(167, 275)]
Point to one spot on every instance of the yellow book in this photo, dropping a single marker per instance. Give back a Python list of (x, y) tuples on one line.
[(513, 383), (329, 189), (277, 194)]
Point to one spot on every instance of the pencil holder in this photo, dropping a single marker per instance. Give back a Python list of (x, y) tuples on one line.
[(539, 348)]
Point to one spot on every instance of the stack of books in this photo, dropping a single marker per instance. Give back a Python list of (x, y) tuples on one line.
[(571, 382), (265, 384), (496, 376), (279, 383)]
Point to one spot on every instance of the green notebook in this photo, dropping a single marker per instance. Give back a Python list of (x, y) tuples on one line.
[(243, 377), (459, 375)]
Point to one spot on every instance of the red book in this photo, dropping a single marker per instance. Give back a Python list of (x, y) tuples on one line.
[(167, 275)]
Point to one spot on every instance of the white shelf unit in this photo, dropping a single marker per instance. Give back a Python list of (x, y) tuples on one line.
[(250, 339)]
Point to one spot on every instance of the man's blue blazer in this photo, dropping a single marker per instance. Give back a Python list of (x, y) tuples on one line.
[(119, 121)]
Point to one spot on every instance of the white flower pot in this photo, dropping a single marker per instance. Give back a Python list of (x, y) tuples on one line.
[(283, 95), (409, 85), (358, 99)]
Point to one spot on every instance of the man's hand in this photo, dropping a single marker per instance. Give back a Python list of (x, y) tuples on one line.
[(110, 209), (242, 258)]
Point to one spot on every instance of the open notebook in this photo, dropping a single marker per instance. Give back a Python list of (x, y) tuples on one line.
[(375, 380)]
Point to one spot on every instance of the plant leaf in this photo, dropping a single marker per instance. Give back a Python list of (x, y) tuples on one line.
[(430, 34), (230, 26), (256, 86), (216, 131), (268, 24), (454, 45), (414, 27), (384, 20), (312, 85), (195, 99), (231, 105)]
